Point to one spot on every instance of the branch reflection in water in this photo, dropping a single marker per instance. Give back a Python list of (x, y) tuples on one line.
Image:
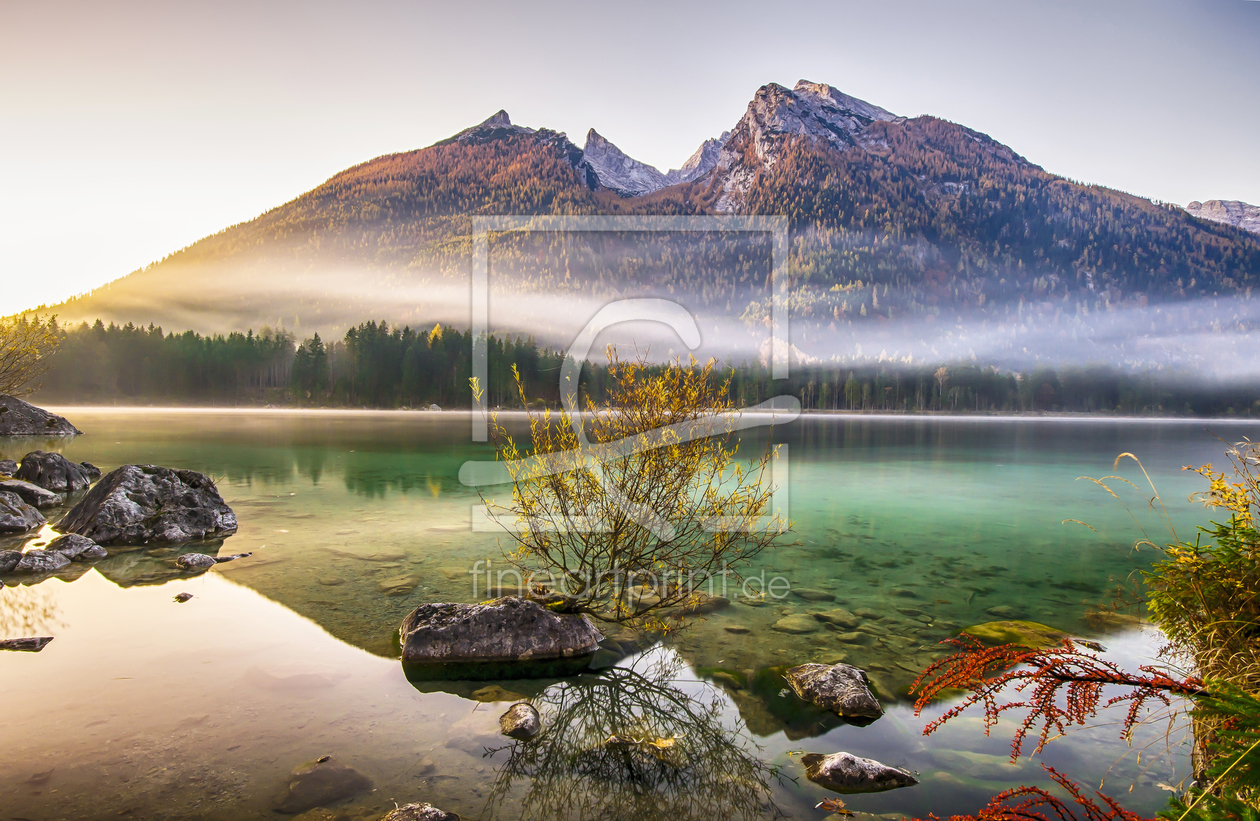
[(631, 742)]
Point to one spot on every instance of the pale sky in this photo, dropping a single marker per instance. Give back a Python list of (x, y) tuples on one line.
[(131, 129)]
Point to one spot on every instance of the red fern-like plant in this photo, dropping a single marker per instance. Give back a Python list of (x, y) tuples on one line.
[(1041, 674), (1036, 804)]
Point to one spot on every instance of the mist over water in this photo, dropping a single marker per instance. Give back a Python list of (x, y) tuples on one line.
[(548, 286)]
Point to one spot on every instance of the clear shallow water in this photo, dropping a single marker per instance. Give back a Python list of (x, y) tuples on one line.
[(148, 708)]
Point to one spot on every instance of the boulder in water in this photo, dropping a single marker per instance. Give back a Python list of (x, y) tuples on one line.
[(33, 495), (41, 561), (76, 547), (16, 516), (506, 629), (32, 644), (138, 504), (195, 561), (521, 721), (846, 773), (52, 471), (8, 467), (9, 559), (319, 783), (841, 688), (420, 812), (18, 418)]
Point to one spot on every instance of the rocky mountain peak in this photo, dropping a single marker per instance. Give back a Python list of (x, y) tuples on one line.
[(617, 171), (495, 127), (837, 103), (699, 163), (1231, 212), (499, 118), (814, 111)]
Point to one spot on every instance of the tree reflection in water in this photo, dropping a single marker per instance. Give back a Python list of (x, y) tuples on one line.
[(28, 611), (630, 743)]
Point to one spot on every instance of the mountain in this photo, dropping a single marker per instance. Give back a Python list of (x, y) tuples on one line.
[(618, 172), (892, 218), (699, 163), (1231, 212), (813, 112)]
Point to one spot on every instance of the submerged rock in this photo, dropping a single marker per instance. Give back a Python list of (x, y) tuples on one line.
[(810, 594), (137, 504), (420, 812), (319, 783), (195, 561), (18, 418), (52, 471), (506, 629), (398, 585), (16, 516), (492, 693), (798, 623), (33, 495), (325, 814), (520, 721), (76, 547), (41, 561), (840, 688), (846, 773), (1026, 633), (839, 618), (32, 644)]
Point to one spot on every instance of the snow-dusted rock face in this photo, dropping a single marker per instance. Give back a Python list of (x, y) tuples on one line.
[(815, 111), (700, 163), (617, 171), (1231, 212)]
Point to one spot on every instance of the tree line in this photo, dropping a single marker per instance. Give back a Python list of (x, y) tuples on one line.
[(376, 365)]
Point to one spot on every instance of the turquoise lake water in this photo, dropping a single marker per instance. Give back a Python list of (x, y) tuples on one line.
[(145, 708)]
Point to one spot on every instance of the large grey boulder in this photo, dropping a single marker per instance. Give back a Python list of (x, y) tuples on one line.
[(420, 812), (506, 629), (18, 418), (16, 516), (139, 504), (319, 783), (847, 773), (841, 688), (41, 561), (54, 472), (76, 547), (33, 495), (8, 467)]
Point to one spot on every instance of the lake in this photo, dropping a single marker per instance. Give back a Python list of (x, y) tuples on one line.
[(146, 708)]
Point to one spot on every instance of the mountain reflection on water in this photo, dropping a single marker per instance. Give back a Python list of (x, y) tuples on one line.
[(920, 526)]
